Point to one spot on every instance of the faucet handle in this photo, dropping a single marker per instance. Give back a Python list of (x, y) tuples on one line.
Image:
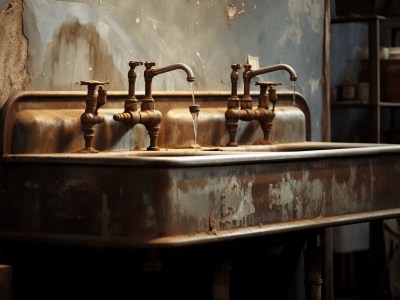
[(270, 85), (149, 64), (134, 64), (91, 87), (267, 84), (236, 67), (234, 81), (102, 97), (247, 67), (93, 82), (130, 103)]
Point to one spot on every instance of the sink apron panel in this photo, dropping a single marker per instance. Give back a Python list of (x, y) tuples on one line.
[(167, 204)]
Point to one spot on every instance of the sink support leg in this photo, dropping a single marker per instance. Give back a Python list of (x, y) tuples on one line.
[(221, 281), (5, 282), (312, 268), (150, 284)]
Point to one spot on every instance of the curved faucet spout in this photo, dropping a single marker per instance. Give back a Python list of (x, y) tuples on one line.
[(248, 74), (186, 68), (149, 73), (278, 67)]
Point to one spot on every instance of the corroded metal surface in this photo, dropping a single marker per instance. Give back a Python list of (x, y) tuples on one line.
[(122, 199), (49, 122), (49, 192)]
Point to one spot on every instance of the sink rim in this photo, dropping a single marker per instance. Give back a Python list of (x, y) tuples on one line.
[(215, 156)]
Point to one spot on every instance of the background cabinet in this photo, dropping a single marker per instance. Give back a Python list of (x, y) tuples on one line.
[(377, 119)]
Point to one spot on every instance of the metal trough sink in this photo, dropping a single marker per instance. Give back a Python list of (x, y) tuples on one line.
[(190, 196)]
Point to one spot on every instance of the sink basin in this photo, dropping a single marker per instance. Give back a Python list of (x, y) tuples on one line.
[(186, 196), (163, 198)]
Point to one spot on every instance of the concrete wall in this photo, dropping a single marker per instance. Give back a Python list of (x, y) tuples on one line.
[(68, 41)]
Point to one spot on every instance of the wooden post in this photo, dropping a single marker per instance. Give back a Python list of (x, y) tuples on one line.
[(312, 266), (5, 282)]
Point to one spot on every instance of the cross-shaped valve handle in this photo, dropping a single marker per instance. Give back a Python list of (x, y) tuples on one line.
[(270, 85)]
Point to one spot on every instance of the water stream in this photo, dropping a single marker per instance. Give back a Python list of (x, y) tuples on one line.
[(195, 117), (194, 110), (192, 86)]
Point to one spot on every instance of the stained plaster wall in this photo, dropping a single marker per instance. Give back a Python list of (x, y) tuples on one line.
[(95, 39)]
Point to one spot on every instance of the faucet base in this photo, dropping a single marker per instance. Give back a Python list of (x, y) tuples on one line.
[(232, 144), (88, 150), (262, 141), (153, 148)]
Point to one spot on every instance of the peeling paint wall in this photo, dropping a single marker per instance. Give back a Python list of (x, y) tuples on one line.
[(95, 39), (14, 75)]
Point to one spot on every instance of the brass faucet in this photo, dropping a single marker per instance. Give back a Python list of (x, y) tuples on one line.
[(91, 117), (242, 109), (148, 115)]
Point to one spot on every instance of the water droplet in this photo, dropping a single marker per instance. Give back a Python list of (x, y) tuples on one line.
[(137, 20)]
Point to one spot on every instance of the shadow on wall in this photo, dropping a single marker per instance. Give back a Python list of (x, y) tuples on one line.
[(78, 49), (14, 75)]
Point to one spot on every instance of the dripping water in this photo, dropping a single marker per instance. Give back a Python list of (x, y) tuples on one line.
[(194, 110), (192, 86), (294, 93)]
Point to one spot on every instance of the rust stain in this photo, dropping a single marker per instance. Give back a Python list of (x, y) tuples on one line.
[(79, 53)]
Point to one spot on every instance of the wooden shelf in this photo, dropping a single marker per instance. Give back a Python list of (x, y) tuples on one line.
[(350, 103), (393, 22), (364, 103), (389, 104)]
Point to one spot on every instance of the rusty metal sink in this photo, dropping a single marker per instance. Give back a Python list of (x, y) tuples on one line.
[(182, 196)]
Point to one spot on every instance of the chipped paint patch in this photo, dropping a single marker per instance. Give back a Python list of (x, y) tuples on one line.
[(237, 202), (345, 194), (231, 11), (296, 198), (298, 13), (227, 200), (314, 85), (281, 195), (149, 211)]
